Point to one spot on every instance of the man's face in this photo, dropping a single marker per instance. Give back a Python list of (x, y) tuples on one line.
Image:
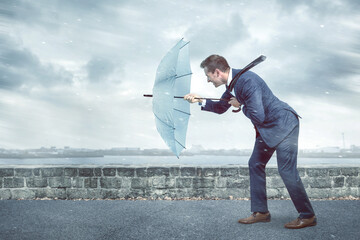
[(214, 78)]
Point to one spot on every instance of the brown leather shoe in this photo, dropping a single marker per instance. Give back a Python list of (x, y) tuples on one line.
[(301, 223), (256, 217)]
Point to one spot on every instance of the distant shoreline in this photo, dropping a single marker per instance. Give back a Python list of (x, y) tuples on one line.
[(100, 155)]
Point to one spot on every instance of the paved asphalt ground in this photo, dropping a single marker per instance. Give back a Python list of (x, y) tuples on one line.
[(161, 219)]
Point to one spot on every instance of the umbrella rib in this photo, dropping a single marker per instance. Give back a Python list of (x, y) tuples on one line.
[(164, 122), (183, 75), (184, 45), (181, 111), (180, 144), (169, 77)]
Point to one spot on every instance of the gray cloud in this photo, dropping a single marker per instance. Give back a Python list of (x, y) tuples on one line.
[(20, 67), (99, 68), (216, 34)]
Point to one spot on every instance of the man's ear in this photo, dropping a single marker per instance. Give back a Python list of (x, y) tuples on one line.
[(217, 72)]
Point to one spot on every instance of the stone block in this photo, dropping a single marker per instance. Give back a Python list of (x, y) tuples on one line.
[(271, 172), (213, 193), (77, 182), (170, 182), (306, 181), (22, 194), (5, 194), (241, 182), (53, 193), (139, 183), (36, 182), (90, 182), (274, 182), (210, 172), (97, 172), (124, 193), (6, 172), (158, 182), (86, 172), (320, 182), (355, 192), (126, 172), (198, 192), (110, 182), (37, 172), (59, 182), (158, 171), (229, 172), (244, 171), (317, 172), (350, 171), (13, 182), (23, 172), (339, 192), (141, 172), (76, 193), (109, 193), (221, 193), (157, 193), (52, 172), (204, 183), (318, 192), (283, 193), (94, 193), (71, 172), (174, 193), (187, 171), (174, 171), (338, 182), (302, 172), (220, 182), (184, 182), (237, 193), (273, 193), (126, 182), (334, 171), (352, 182), (134, 193), (109, 171)]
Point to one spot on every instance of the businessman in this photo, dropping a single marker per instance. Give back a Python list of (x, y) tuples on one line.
[(277, 129)]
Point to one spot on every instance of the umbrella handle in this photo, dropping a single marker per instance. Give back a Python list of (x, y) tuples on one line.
[(236, 110)]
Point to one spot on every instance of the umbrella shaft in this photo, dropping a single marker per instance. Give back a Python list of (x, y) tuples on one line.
[(219, 99)]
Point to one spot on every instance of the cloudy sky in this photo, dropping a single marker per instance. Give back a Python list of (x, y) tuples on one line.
[(72, 73)]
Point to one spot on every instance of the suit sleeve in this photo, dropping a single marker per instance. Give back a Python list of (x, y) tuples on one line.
[(218, 107), (253, 106)]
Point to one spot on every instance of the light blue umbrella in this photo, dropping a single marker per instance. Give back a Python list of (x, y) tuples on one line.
[(172, 81)]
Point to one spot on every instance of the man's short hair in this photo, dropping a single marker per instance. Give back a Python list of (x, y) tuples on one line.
[(213, 62)]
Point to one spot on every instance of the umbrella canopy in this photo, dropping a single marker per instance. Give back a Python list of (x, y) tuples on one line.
[(173, 78)]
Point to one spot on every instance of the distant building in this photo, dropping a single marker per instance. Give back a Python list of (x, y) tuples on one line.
[(322, 150)]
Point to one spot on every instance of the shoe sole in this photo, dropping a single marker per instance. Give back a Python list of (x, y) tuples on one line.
[(266, 220), (310, 225)]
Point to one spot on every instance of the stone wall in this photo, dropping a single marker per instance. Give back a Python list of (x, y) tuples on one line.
[(120, 181)]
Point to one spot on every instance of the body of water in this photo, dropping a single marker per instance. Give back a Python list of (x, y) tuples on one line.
[(172, 160)]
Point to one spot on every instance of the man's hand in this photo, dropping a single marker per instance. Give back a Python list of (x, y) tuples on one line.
[(192, 98), (234, 102)]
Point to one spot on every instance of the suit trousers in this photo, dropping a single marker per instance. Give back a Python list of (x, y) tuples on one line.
[(286, 153)]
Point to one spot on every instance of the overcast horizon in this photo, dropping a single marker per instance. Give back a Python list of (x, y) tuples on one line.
[(73, 73)]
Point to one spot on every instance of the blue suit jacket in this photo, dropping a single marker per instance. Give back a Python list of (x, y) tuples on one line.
[(274, 119)]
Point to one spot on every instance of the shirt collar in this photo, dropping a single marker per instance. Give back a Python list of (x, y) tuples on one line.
[(229, 77)]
